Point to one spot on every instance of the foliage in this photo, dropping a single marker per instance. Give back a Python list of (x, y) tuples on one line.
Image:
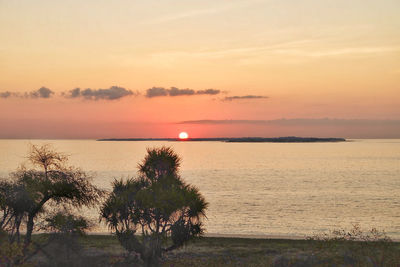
[(32, 193), (10, 252), (356, 246), (66, 229), (354, 234), (159, 163), (63, 222), (157, 204)]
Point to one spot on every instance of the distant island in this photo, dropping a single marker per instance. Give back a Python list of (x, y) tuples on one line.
[(288, 139)]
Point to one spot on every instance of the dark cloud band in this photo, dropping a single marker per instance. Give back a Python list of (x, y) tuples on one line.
[(112, 93), (116, 92), (42, 92), (236, 97), (173, 91), (301, 122), (208, 92)]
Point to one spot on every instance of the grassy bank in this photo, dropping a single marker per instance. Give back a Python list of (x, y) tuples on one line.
[(104, 250)]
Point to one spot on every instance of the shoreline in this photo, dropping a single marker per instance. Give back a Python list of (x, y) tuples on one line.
[(244, 236)]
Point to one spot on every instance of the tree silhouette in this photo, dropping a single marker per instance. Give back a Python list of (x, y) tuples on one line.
[(157, 204), (49, 181)]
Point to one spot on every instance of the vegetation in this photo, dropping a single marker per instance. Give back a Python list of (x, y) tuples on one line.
[(355, 246), (105, 250), (158, 205), (26, 198)]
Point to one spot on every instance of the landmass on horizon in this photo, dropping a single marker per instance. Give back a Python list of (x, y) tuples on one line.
[(287, 139)]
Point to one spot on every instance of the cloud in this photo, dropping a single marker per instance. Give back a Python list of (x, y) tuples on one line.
[(42, 92), (156, 91), (200, 12), (5, 94), (223, 122), (112, 93), (177, 92), (74, 93), (302, 122), (173, 91), (321, 127), (208, 92), (236, 97), (288, 52)]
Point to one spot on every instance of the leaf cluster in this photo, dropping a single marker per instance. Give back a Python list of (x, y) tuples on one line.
[(157, 204), (50, 184)]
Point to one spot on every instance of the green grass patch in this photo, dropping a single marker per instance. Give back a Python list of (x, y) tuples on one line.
[(105, 250)]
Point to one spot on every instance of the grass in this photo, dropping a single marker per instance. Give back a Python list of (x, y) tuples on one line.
[(104, 250)]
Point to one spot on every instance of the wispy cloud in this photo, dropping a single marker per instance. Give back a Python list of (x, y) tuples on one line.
[(200, 12), (328, 127), (112, 93), (174, 91), (223, 122), (301, 122), (42, 92), (237, 97), (338, 51), (300, 49), (188, 14)]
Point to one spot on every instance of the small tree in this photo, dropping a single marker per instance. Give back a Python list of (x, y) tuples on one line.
[(66, 229), (157, 204), (50, 180)]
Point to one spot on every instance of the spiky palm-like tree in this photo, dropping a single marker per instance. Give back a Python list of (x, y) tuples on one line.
[(158, 205)]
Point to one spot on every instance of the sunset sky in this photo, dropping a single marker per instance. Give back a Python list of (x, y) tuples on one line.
[(211, 68)]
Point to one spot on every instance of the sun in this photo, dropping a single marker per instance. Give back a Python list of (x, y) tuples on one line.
[(183, 135)]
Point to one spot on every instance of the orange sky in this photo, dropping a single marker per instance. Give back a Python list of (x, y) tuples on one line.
[(302, 59)]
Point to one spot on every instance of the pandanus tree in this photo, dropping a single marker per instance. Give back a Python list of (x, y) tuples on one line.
[(157, 211)]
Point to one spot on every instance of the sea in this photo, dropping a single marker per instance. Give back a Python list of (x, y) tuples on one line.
[(278, 190)]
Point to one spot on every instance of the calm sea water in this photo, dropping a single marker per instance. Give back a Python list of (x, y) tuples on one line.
[(259, 189)]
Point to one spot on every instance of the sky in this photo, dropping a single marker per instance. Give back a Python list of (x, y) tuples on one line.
[(221, 68)]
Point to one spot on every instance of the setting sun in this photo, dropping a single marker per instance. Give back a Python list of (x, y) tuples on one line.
[(183, 135)]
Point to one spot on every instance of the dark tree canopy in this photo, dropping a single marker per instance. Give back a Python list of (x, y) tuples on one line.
[(49, 180), (157, 204), (160, 163)]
